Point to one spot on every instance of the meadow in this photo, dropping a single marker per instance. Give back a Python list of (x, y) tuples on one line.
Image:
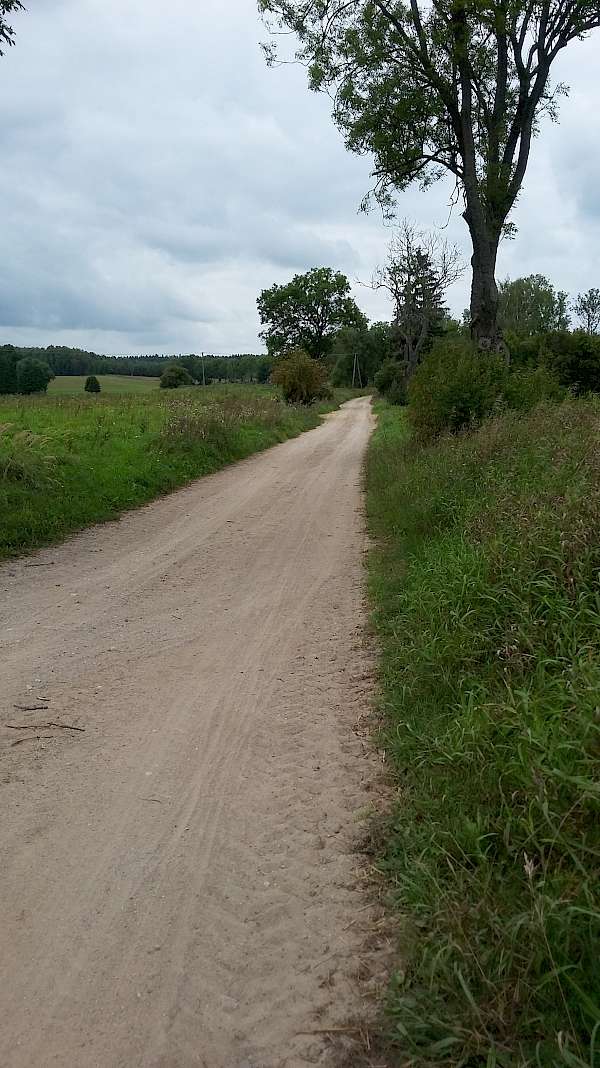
[(73, 385), (484, 577), (66, 462)]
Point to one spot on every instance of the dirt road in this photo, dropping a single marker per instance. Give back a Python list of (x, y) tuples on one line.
[(177, 880)]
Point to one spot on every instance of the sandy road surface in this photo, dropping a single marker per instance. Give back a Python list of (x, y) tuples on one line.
[(177, 881)]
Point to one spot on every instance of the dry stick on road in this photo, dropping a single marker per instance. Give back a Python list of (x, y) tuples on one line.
[(42, 726), (219, 654)]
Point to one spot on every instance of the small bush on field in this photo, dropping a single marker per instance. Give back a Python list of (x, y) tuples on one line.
[(389, 381), (485, 579), (33, 376), (92, 384), (174, 377), (302, 380)]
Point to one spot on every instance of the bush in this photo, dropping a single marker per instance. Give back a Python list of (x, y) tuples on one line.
[(456, 386), (390, 382), (525, 387), (92, 384), (174, 377), (302, 380), (33, 376), (574, 359)]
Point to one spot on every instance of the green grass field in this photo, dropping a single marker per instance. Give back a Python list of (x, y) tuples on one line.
[(72, 385), (484, 575), (68, 461)]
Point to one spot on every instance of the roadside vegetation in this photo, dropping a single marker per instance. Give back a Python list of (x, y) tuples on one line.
[(484, 577), (66, 462)]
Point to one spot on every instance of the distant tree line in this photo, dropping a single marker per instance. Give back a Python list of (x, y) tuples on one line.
[(62, 360)]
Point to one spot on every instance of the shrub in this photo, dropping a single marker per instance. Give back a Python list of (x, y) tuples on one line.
[(525, 387), (390, 382), (33, 376), (302, 380), (92, 384), (455, 387), (175, 376), (574, 359)]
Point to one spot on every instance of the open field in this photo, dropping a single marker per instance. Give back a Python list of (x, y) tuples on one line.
[(484, 576), (66, 462), (71, 385)]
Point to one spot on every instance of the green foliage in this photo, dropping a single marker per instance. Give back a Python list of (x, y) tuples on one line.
[(485, 582), (455, 387), (66, 463), (308, 312), (531, 306), (370, 345), (7, 33), (174, 377), (301, 379), (391, 383), (524, 387), (574, 359), (92, 384), (8, 369), (32, 376), (587, 310)]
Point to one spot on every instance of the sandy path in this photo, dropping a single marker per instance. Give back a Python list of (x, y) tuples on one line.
[(177, 882)]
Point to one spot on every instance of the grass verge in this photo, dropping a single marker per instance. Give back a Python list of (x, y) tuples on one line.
[(485, 580), (66, 462)]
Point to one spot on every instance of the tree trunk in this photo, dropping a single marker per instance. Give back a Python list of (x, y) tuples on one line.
[(485, 328)]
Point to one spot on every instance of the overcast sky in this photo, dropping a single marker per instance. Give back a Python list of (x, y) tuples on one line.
[(155, 175)]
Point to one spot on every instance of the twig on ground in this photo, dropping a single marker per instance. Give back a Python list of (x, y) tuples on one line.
[(42, 726)]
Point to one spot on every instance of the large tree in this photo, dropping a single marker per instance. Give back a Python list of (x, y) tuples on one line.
[(308, 312), (7, 34), (442, 86)]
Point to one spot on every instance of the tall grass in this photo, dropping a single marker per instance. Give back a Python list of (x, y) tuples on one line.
[(485, 579), (67, 462)]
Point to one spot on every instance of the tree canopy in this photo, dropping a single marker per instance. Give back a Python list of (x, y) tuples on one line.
[(442, 86), (587, 310), (33, 376), (308, 312), (530, 306), (418, 271)]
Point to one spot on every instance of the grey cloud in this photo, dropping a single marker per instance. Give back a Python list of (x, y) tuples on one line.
[(155, 175)]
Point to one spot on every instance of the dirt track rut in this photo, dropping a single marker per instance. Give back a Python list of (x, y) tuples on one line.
[(178, 885)]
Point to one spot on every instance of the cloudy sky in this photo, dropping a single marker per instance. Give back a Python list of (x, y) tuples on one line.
[(155, 175)]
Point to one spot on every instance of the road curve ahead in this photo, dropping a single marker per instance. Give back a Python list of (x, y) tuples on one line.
[(177, 881)]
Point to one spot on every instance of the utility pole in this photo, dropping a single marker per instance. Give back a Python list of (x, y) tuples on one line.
[(355, 369), (203, 372)]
